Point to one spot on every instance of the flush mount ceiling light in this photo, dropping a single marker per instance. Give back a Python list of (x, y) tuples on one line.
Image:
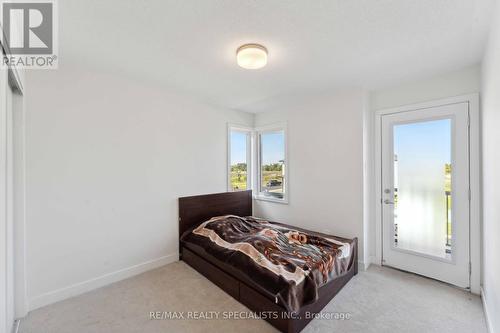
[(251, 56)]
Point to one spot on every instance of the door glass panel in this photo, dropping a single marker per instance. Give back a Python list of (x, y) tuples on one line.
[(422, 187)]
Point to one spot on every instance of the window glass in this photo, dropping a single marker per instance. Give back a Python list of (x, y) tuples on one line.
[(272, 164), (239, 179)]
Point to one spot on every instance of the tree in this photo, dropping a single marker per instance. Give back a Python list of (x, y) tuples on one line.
[(273, 167), (239, 167)]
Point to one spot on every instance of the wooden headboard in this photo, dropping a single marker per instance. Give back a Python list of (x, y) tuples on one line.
[(197, 209)]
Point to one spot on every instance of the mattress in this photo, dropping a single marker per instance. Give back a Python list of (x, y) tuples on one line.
[(286, 263)]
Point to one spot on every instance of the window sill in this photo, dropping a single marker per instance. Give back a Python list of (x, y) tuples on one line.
[(264, 198)]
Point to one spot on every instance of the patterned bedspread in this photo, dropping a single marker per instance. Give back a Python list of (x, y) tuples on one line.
[(288, 263)]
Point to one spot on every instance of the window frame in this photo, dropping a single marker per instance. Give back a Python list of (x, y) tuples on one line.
[(250, 133), (277, 127)]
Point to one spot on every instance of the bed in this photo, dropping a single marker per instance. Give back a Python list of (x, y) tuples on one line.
[(276, 283)]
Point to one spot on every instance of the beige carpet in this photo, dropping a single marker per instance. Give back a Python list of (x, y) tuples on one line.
[(378, 300)]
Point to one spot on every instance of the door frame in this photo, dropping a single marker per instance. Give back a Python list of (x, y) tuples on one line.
[(474, 179), (15, 79)]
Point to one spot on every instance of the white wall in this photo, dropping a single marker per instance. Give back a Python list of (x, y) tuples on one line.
[(491, 176), (460, 82), (325, 152), (107, 158)]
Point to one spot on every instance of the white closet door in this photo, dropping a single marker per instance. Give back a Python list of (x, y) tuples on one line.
[(4, 327)]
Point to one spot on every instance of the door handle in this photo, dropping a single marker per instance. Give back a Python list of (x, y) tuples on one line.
[(388, 202)]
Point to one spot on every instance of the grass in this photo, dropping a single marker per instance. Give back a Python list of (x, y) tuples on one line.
[(270, 175), (239, 178)]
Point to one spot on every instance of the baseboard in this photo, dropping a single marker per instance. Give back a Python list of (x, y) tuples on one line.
[(362, 266), (374, 260), (486, 314), (15, 328), (365, 265), (101, 281)]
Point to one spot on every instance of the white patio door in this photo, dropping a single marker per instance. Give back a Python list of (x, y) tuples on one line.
[(425, 192)]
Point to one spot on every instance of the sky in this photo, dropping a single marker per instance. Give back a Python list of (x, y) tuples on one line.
[(273, 147), (429, 140), (238, 147), (423, 149)]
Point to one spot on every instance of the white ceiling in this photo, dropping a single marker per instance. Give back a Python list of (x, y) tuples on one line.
[(314, 45)]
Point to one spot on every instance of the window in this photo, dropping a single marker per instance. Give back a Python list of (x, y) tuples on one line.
[(272, 174), (239, 166), (257, 160)]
